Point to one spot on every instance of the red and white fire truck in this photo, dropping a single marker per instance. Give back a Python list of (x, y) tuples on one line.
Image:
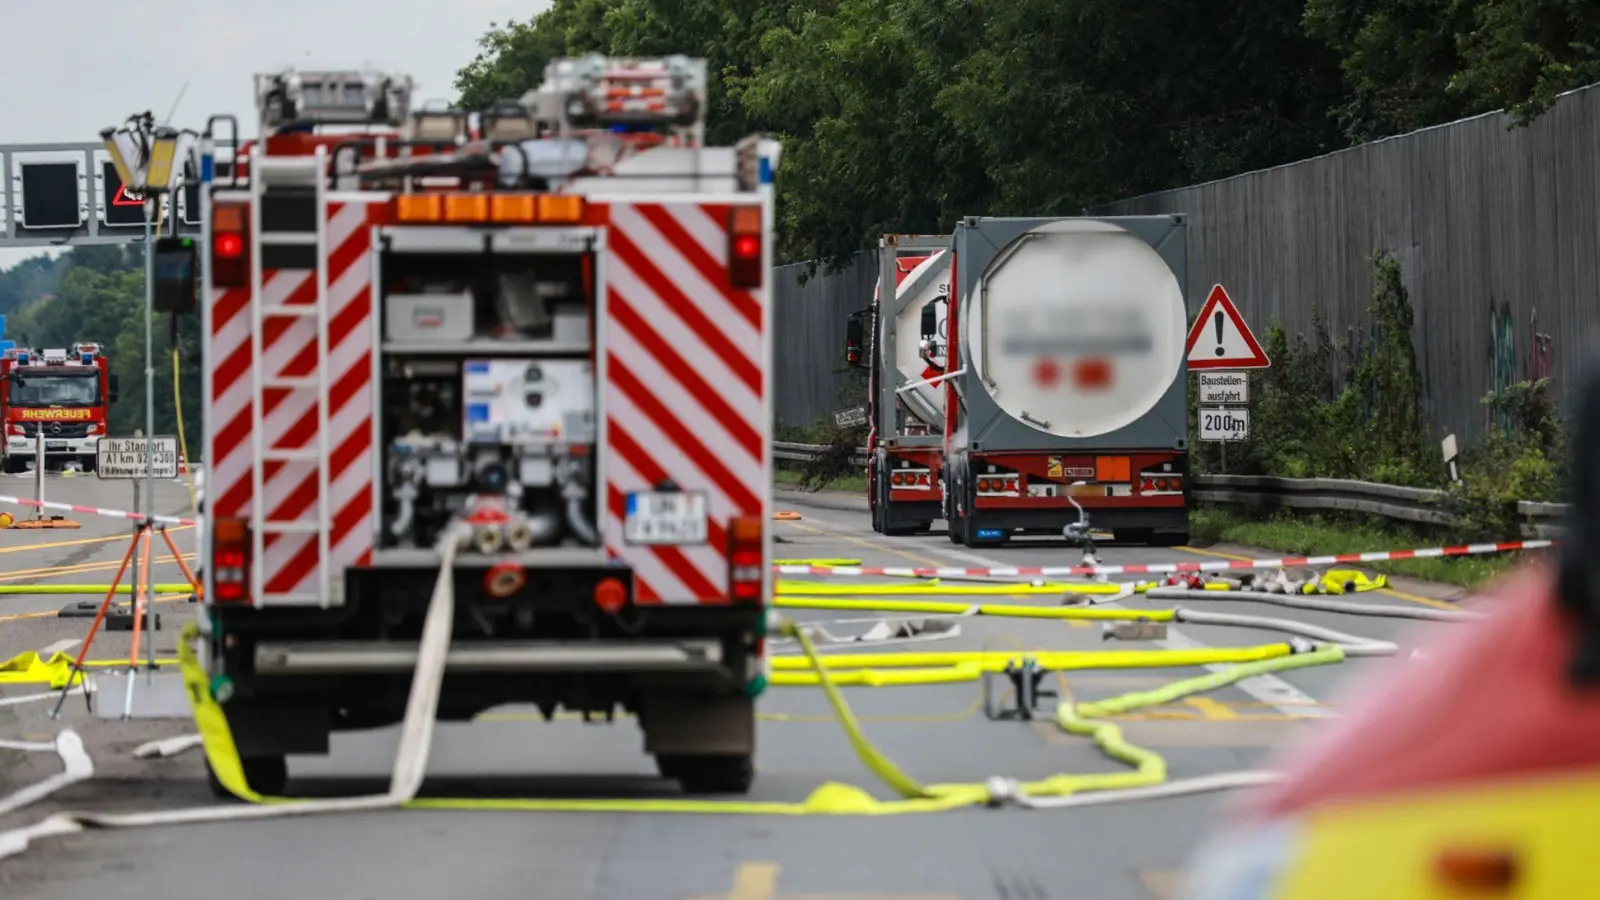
[(62, 394), (900, 342), (566, 320)]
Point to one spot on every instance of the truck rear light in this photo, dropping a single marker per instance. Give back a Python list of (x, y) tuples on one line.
[(744, 247), (610, 595), (745, 563), (230, 561), (507, 209), (230, 243)]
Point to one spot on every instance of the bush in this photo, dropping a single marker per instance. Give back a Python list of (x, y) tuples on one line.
[(1353, 408)]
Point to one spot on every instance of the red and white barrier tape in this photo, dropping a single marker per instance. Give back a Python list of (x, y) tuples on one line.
[(95, 511), (1209, 565)]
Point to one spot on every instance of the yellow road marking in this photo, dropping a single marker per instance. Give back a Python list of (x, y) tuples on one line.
[(81, 541), (54, 613), (755, 881), (759, 881), (1162, 884), (80, 568), (926, 561), (1212, 709), (1425, 601)]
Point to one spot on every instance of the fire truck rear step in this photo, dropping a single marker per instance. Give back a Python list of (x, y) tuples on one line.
[(688, 655), (535, 558)]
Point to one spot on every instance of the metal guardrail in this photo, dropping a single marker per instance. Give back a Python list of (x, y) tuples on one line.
[(1423, 506)]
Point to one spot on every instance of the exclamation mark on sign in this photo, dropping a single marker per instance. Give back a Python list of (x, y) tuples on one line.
[(1218, 320)]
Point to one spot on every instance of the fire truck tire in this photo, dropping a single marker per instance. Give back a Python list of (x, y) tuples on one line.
[(13, 466), (722, 774), (266, 775)]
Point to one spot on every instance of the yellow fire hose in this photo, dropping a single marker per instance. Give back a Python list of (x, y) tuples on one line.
[(842, 799)]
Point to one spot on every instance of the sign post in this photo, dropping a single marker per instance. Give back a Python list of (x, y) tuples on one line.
[(1220, 340)]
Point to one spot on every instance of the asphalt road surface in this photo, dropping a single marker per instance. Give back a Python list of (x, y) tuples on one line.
[(1132, 851)]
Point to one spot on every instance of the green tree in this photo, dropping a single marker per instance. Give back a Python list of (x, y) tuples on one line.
[(1414, 63), (100, 298)]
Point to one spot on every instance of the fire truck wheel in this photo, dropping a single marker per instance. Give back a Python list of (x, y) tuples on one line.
[(711, 774), (267, 775), (13, 466)]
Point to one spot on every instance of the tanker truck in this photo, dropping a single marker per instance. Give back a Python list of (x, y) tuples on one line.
[(905, 362), (1066, 367)]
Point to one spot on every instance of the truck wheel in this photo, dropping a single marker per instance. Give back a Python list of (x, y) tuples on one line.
[(13, 466), (1145, 536), (1170, 539), (267, 775), (711, 774)]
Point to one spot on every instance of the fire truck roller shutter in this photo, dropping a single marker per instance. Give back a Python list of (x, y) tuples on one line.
[(1078, 324)]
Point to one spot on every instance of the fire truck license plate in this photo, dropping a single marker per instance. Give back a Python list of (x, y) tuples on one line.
[(665, 518), (55, 445)]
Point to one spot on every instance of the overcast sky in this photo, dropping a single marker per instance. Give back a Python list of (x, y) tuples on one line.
[(71, 68)]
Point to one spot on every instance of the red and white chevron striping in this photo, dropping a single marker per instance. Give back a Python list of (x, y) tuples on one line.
[(685, 388), (289, 347)]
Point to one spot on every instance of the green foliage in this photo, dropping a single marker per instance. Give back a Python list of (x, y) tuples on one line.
[(1414, 63), (1368, 422), (906, 115), (28, 281), (99, 296), (1367, 425)]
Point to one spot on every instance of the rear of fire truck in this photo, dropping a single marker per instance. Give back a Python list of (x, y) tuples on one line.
[(900, 342), (63, 395), (1066, 383), (552, 340)]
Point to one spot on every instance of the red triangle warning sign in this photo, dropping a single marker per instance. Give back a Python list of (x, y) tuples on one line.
[(126, 197), (1219, 338)]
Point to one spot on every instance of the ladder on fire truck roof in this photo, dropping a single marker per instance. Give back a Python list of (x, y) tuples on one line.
[(289, 175)]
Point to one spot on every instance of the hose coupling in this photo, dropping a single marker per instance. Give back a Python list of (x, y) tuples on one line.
[(1002, 791)]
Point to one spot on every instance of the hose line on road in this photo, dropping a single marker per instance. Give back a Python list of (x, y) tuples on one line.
[(1146, 777)]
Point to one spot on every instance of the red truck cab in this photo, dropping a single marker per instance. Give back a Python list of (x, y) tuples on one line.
[(64, 395)]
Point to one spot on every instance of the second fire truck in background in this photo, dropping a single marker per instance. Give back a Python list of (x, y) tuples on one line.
[(64, 395)]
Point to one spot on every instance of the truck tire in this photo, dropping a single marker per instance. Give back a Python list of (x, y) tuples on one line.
[(266, 775), (730, 774)]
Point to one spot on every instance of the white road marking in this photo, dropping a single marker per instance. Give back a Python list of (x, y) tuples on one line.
[(1268, 689), (60, 646)]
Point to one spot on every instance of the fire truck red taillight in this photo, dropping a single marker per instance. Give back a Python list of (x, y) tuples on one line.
[(230, 561), (744, 247), (230, 240), (745, 552)]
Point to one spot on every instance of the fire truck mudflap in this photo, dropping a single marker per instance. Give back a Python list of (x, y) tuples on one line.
[(569, 367)]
